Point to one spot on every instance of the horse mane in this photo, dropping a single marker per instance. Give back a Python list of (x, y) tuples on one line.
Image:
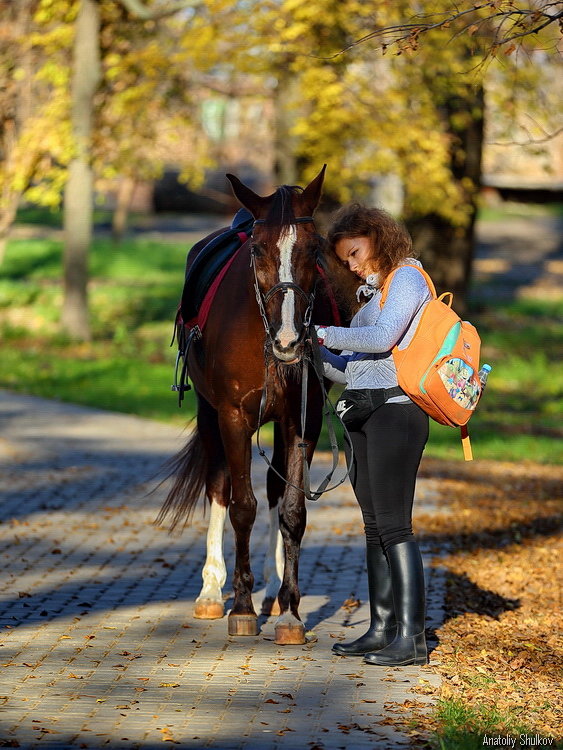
[(281, 213)]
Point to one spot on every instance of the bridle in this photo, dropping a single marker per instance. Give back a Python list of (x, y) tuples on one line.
[(284, 287), (311, 357)]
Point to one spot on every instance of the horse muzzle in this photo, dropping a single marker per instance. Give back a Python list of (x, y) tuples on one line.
[(290, 354)]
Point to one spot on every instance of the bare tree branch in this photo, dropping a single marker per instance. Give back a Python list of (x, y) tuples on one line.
[(138, 9), (529, 142), (535, 30), (408, 33)]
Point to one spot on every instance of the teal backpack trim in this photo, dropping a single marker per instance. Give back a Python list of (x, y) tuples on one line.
[(446, 348)]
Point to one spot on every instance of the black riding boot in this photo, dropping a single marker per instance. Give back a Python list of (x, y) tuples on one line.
[(407, 581), (382, 627)]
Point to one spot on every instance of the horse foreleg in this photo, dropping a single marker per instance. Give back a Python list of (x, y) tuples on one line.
[(275, 559), (293, 515), (289, 630), (242, 512)]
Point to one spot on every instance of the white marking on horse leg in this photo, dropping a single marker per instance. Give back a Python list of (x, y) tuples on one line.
[(214, 572), (286, 243), (275, 559)]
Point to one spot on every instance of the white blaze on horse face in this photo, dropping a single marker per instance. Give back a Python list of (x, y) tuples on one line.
[(214, 572), (286, 243)]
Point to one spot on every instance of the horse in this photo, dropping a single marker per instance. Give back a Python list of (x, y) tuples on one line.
[(247, 369)]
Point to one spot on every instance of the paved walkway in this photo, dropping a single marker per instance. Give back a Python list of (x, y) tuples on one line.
[(98, 647), (519, 259)]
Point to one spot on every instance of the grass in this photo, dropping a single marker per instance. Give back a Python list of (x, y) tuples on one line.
[(53, 217), (135, 287), (466, 727), (134, 292), (512, 209)]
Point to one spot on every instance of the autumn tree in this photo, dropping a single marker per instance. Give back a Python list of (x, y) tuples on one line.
[(94, 17), (416, 112), (463, 54), (34, 138)]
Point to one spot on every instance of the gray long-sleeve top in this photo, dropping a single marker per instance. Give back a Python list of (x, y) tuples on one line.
[(366, 360)]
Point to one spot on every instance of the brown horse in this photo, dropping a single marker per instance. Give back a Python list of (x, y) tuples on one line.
[(247, 368)]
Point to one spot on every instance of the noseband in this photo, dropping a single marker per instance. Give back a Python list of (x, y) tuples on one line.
[(284, 287)]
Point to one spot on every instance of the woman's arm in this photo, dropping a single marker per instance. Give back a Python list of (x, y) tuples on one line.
[(407, 293), (334, 365)]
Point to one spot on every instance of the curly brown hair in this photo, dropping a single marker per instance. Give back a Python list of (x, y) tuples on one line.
[(390, 240)]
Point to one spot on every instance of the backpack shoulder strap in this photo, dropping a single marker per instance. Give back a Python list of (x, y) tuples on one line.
[(389, 279)]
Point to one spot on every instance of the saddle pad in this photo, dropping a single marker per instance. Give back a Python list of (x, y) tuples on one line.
[(209, 262)]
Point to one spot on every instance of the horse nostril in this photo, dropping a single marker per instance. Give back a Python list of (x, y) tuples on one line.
[(289, 347)]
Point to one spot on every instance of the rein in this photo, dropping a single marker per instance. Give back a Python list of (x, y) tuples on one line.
[(316, 363)]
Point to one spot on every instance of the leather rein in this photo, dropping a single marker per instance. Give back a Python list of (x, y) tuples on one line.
[(311, 356)]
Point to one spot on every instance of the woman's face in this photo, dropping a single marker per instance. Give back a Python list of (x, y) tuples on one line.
[(358, 254)]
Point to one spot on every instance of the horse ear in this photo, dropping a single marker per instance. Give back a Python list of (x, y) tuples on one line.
[(255, 203), (311, 196)]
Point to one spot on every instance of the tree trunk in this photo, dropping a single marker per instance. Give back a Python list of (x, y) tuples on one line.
[(121, 213), (14, 118), (3, 243), (445, 249), (79, 191), (6, 220), (9, 197)]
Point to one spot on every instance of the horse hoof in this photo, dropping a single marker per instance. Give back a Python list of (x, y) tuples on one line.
[(243, 625), (289, 634), (208, 609), (270, 606)]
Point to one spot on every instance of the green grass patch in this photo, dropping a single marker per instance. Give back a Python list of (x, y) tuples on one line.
[(53, 217), (134, 291), (95, 375), (512, 209), (465, 727)]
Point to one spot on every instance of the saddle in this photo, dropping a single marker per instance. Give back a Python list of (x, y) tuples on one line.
[(210, 261)]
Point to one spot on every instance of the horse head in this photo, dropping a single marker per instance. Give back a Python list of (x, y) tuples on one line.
[(284, 252)]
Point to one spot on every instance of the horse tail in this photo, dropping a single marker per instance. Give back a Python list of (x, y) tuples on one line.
[(189, 468)]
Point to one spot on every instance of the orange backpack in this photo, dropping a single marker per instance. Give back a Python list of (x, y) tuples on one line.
[(438, 369)]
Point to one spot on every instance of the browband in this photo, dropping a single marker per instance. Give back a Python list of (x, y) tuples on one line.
[(296, 220)]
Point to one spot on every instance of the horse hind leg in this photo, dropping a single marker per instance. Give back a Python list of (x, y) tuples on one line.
[(275, 558), (209, 604)]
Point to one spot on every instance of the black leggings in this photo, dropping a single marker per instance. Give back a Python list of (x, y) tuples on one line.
[(387, 452)]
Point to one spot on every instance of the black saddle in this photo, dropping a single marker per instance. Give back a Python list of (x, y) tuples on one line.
[(210, 261)]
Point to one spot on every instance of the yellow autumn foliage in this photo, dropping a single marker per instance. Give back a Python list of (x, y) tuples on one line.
[(35, 156), (365, 113)]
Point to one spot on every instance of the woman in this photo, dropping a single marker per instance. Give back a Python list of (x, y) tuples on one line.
[(388, 431)]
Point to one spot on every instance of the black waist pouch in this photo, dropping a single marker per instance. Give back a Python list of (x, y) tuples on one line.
[(355, 405)]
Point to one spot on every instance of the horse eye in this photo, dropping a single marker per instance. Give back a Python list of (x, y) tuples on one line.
[(256, 250)]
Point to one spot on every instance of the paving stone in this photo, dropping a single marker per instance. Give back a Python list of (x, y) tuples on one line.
[(115, 657)]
